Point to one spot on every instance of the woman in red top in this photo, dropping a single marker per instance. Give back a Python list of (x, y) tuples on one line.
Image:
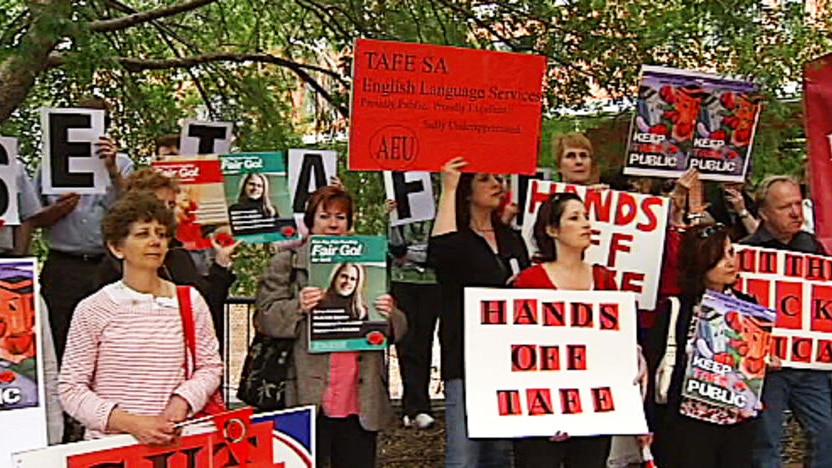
[(562, 233)]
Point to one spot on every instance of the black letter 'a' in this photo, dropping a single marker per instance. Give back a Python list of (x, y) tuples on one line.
[(312, 165), (207, 136), (60, 150), (4, 190), (402, 189)]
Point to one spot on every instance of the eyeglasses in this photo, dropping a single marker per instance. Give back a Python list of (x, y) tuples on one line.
[(711, 230)]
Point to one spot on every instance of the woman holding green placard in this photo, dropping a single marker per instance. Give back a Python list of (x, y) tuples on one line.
[(348, 388)]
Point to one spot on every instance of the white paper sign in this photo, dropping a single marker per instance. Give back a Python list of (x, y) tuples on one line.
[(309, 170), (413, 194), (520, 188), (70, 163), (628, 232), (538, 361), (22, 395), (205, 137), (799, 287), (9, 167)]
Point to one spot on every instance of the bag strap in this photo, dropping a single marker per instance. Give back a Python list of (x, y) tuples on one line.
[(183, 294), (671, 326)]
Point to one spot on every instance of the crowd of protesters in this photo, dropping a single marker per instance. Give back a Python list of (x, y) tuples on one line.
[(116, 286)]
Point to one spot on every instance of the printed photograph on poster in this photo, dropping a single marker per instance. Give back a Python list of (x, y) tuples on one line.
[(621, 222), (257, 194), (18, 363), (727, 362), (201, 210), (798, 287), (22, 389), (205, 137), (352, 271), (538, 361), (413, 194), (664, 125), (725, 129), (9, 170), (70, 163), (689, 119), (415, 104)]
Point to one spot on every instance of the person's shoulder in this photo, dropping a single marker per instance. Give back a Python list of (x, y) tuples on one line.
[(101, 303)]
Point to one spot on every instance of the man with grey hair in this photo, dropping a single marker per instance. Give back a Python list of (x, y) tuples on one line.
[(808, 393)]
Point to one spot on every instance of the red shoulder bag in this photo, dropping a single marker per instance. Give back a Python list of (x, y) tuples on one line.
[(215, 403)]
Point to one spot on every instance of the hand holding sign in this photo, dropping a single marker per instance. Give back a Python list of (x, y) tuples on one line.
[(385, 304), (176, 410), (451, 172), (107, 150), (310, 296), (148, 430)]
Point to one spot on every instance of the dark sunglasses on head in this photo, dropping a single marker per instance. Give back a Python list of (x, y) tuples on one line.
[(711, 230)]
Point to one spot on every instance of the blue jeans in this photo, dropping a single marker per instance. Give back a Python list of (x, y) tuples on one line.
[(808, 393), (460, 451)]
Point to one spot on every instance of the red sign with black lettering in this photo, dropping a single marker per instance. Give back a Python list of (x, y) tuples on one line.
[(415, 106), (799, 287)]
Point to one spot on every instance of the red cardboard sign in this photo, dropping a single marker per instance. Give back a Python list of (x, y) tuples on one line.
[(415, 106), (817, 112)]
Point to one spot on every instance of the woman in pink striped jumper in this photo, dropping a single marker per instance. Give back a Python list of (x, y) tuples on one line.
[(124, 366)]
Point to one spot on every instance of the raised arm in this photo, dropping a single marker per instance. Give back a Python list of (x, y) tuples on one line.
[(446, 213)]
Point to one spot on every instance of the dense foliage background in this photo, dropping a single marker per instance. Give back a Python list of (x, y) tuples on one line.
[(280, 69)]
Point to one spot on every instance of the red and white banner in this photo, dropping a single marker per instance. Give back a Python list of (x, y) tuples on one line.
[(540, 361), (799, 287), (817, 114), (281, 439)]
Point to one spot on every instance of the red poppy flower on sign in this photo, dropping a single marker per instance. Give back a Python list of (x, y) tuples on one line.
[(375, 338), (225, 239), (7, 376)]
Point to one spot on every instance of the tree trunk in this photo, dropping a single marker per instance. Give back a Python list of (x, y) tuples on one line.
[(20, 70)]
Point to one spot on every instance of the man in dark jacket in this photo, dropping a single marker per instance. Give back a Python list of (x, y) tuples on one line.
[(808, 393)]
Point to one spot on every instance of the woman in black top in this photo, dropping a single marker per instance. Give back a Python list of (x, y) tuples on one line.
[(698, 434), (469, 247)]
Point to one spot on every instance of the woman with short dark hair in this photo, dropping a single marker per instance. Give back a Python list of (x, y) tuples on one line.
[(348, 388), (124, 370)]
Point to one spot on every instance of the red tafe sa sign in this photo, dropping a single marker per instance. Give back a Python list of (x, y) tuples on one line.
[(415, 106)]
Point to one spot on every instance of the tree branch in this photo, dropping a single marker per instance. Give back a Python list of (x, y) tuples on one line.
[(136, 65), (117, 24)]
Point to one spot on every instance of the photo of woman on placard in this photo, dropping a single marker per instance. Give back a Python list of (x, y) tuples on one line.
[(254, 210), (345, 291)]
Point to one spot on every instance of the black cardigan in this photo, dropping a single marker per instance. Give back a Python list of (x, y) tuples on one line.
[(464, 258)]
